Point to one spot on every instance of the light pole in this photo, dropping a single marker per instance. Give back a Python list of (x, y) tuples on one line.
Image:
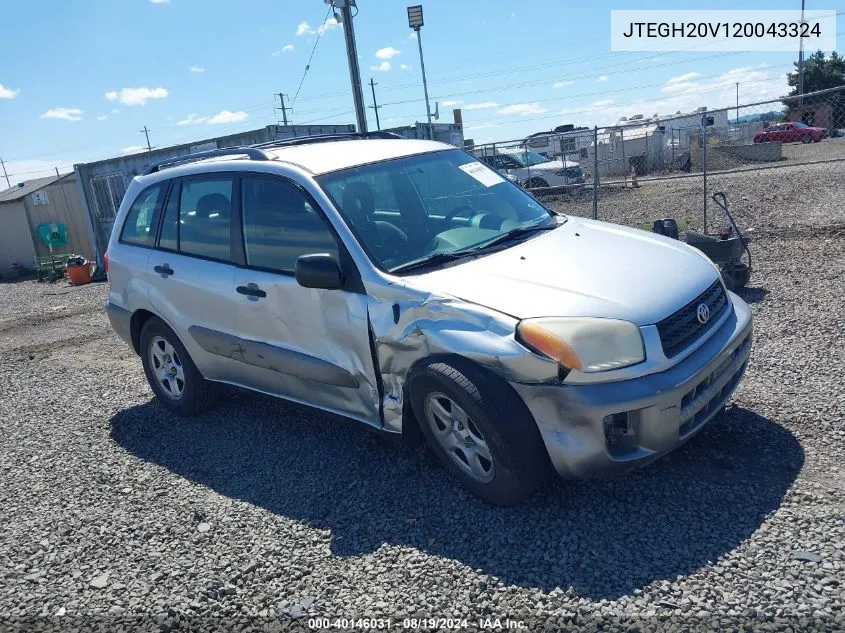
[(801, 61), (737, 103), (352, 55), (415, 21)]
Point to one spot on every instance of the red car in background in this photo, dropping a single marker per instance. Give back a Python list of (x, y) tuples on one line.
[(790, 132)]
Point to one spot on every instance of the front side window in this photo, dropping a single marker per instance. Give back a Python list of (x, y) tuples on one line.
[(139, 227), (527, 159), (280, 224), (443, 202), (205, 208)]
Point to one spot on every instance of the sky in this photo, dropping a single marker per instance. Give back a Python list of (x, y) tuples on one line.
[(80, 80)]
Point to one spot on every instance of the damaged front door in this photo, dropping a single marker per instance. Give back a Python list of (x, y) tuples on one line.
[(305, 344)]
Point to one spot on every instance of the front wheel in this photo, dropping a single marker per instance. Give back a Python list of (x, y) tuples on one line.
[(806, 139), (172, 374), (480, 430), (535, 183)]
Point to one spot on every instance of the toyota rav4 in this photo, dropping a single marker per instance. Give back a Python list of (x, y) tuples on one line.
[(406, 285)]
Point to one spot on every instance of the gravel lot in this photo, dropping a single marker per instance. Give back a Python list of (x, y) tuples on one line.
[(259, 512)]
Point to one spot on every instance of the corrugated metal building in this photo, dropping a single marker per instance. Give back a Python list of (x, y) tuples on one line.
[(50, 200), (101, 184)]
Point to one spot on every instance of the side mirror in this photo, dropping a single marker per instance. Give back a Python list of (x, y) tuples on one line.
[(319, 270)]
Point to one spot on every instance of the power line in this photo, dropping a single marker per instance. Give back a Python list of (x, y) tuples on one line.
[(320, 30)]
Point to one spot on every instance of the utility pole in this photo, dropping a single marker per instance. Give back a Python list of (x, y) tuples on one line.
[(346, 16), (147, 134), (5, 174), (375, 105), (801, 61), (284, 108), (415, 21)]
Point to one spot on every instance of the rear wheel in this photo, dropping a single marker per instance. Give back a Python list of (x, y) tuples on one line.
[(172, 374), (480, 430)]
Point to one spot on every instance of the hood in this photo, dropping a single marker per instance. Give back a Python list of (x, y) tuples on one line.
[(582, 268), (552, 165)]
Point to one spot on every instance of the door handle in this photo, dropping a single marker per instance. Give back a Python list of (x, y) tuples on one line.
[(251, 290), (163, 269)]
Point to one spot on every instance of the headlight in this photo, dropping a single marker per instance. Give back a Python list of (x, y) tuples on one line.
[(585, 344)]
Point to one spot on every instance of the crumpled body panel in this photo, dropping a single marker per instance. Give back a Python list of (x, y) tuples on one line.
[(430, 325)]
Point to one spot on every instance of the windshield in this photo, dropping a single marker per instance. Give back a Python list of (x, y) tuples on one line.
[(409, 209), (527, 159)]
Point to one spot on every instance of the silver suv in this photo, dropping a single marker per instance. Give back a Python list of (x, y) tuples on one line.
[(408, 286)]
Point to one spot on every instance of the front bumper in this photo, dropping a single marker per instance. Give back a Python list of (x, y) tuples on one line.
[(646, 417)]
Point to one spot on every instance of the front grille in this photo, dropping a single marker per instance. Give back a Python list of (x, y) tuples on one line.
[(680, 330)]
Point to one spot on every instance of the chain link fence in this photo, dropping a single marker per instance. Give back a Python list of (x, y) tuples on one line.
[(582, 167)]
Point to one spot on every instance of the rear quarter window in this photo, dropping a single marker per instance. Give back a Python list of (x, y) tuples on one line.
[(140, 225)]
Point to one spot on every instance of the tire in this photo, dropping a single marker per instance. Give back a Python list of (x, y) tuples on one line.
[(533, 183), (491, 429), (162, 353), (806, 139)]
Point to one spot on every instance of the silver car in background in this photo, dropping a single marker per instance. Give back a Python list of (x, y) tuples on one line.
[(406, 285)]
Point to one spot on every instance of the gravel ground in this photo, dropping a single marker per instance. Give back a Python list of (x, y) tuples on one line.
[(259, 515), (762, 200)]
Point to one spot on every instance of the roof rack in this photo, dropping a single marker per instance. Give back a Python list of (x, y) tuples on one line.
[(252, 152), (326, 138)]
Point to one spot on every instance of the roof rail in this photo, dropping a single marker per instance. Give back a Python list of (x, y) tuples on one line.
[(326, 138), (252, 152)]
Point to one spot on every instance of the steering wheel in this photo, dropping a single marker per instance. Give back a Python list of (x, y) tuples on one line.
[(457, 210)]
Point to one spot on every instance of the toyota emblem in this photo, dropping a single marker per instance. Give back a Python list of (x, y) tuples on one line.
[(703, 313)]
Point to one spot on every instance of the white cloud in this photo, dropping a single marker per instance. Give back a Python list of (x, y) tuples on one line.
[(137, 96), (562, 84), (67, 114), (486, 105), (132, 149), (388, 52), (102, 117), (383, 67), (304, 29), (7, 93), (224, 116), (115, 111), (451, 102), (717, 92), (412, 35), (287, 48), (328, 25), (404, 67), (160, 1), (602, 103), (196, 69), (480, 126), (523, 109), (601, 78)]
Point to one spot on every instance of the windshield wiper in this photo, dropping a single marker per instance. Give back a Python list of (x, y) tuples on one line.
[(515, 234), (434, 260)]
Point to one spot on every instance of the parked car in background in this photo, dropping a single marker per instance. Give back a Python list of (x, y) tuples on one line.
[(406, 285), (790, 132), (532, 170)]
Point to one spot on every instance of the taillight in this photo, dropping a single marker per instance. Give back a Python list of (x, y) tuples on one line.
[(106, 262)]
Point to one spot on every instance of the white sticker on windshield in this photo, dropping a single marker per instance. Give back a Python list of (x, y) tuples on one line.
[(482, 173)]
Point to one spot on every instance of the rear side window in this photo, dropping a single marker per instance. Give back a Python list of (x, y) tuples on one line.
[(139, 227), (197, 220)]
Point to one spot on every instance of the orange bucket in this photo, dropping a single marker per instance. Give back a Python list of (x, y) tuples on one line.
[(79, 275)]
